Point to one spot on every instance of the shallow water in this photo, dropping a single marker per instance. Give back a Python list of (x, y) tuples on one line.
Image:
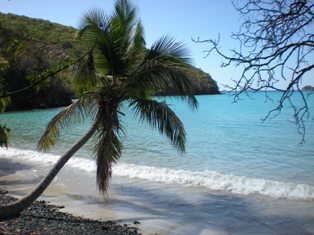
[(238, 176)]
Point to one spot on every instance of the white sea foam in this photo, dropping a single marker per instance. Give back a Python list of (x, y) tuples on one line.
[(209, 179)]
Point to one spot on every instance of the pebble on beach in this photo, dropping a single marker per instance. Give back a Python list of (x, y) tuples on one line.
[(41, 218)]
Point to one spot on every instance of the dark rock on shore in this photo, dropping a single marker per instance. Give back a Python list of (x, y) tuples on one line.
[(308, 88), (41, 218)]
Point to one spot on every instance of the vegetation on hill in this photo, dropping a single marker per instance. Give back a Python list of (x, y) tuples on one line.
[(308, 88), (39, 30), (203, 83), (30, 46), (26, 51)]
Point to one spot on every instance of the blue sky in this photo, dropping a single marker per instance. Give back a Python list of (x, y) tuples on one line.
[(182, 19)]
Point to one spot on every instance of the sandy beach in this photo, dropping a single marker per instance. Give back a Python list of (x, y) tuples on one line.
[(44, 216), (18, 177), (170, 210)]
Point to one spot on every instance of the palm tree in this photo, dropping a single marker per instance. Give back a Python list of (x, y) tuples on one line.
[(118, 70)]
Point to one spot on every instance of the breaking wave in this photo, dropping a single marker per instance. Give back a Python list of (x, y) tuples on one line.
[(209, 179)]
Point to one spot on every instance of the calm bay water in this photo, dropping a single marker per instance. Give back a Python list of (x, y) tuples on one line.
[(231, 155)]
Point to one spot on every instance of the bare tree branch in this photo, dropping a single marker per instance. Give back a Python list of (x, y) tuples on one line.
[(276, 44)]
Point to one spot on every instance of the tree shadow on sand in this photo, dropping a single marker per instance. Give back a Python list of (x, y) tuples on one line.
[(214, 211), (8, 166)]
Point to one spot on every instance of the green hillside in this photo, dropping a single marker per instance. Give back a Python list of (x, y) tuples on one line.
[(40, 30), (31, 46)]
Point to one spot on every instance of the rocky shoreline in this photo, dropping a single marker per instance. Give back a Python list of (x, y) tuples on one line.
[(42, 218)]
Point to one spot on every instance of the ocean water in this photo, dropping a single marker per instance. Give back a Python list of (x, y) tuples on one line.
[(239, 175)]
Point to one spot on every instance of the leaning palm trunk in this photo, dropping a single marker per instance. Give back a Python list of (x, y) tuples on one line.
[(14, 209)]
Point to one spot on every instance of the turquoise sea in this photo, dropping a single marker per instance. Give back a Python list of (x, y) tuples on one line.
[(239, 175)]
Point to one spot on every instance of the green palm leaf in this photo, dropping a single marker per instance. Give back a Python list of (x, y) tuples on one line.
[(107, 143), (167, 46), (160, 116), (107, 149), (4, 102), (4, 136), (94, 37), (85, 75), (77, 112), (164, 69), (93, 23), (136, 50), (112, 39), (123, 22), (125, 13)]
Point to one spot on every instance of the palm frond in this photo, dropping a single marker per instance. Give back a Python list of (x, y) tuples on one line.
[(124, 15), (85, 75), (107, 149), (164, 68), (169, 78), (4, 136), (4, 102), (161, 117), (138, 37), (167, 46), (107, 144), (93, 22), (102, 55), (77, 112), (93, 36), (115, 41), (163, 73), (136, 50), (123, 23)]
